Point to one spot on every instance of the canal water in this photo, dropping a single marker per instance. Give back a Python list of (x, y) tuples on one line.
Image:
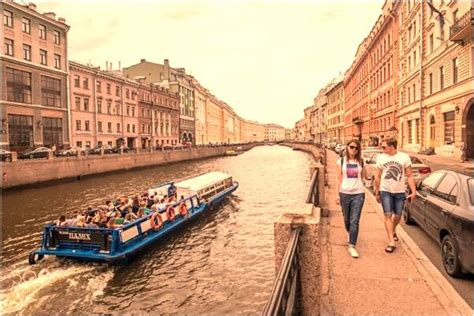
[(221, 263)]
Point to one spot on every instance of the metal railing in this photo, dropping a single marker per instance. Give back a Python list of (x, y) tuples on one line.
[(461, 23), (313, 193), (284, 299)]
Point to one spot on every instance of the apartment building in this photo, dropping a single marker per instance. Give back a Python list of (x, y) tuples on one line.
[(34, 61), (274, 132), (335, 112)]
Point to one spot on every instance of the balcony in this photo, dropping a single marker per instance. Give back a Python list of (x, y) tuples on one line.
[(357, 120), (462, 28)]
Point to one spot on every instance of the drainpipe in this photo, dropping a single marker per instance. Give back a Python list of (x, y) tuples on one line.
[(68, 103), (421, 74), (94, 94)]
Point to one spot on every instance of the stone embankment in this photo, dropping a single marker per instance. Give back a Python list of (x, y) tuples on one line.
[(27, 172)]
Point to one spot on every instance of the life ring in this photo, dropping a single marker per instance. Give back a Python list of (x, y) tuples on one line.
[(183, 209), (156, 221), (170, 213)]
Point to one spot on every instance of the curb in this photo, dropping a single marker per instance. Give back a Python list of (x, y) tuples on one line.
[(442, 289)]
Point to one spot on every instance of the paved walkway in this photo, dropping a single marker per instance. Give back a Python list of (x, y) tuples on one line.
[(377, 283)]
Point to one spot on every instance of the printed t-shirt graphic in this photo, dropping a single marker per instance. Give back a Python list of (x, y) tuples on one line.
[(352, 171)]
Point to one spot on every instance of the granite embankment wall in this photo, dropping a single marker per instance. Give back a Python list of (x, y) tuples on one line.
[(28, 172)]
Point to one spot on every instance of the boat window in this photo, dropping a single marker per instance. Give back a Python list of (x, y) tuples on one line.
[(444, 188), (188, 204)]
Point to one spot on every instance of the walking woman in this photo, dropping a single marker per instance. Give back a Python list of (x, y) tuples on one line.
[(351, 171)]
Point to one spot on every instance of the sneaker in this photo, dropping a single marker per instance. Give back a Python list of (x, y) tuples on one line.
[(353, 252)]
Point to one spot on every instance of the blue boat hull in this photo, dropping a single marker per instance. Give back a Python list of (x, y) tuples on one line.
[(121, 250)]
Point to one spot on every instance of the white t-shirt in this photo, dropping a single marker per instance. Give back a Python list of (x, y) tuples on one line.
[(393, 171), (351, 177)]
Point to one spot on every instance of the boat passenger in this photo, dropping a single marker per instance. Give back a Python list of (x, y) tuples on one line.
[(90, 223), (136, 204), (81, 221), (172, 190), (130, 217), (111, 223), (151, 201), (162, 205)]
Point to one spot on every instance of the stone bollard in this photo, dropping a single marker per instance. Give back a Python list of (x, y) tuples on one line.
[(50, 155), (121, 150), (309, 256), (102, 151), (14, 156)]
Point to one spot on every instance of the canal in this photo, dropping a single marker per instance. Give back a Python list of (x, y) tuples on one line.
[(221, 263)]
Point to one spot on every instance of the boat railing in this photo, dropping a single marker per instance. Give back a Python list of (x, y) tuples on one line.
[(286, 288), (106, 240)]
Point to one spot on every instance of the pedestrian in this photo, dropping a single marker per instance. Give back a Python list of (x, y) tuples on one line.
[(463, 152), (350, 170), (391, 169), (172, 191)]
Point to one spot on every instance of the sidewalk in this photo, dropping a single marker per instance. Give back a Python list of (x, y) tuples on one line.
[(401, 283)]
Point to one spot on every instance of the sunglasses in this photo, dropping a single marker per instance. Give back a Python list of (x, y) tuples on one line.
[(383, 147), (353, 147)]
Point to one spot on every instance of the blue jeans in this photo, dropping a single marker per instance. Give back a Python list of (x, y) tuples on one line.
[(392, 203), (351, 205)]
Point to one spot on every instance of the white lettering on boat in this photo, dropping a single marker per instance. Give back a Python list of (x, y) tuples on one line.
[(79, 236)]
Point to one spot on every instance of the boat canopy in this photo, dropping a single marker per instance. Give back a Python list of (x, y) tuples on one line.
[(203, 181)]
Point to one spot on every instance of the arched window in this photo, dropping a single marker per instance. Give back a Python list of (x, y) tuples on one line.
[(432, 128)]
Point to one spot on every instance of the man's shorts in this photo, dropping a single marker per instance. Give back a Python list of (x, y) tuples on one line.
[(392, 203)]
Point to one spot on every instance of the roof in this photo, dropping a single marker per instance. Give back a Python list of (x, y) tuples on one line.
[(199, 182)]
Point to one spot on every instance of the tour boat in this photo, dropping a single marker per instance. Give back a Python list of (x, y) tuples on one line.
[(199, 195)]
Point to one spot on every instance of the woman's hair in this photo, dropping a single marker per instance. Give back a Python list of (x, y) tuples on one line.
[(358, 155)]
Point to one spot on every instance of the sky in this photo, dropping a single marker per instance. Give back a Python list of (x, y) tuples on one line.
[(266, 59)]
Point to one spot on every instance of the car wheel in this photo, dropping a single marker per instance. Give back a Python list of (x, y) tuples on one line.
[(31, 156), (406, 215), (450, 256), (8, 159)]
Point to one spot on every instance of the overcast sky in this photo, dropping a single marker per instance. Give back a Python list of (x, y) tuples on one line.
[(266, 59)]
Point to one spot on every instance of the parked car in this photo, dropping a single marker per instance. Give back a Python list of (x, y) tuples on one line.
[(116, 150), (6, 155), (420, 170), (366, 154), (72, 151), (40, 152), (96, 150), (339, 148), (444, 209)]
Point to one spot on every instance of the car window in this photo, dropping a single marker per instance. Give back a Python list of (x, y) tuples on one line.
[(415, 160), (430, 182), (445, 186), (470, 187), (453, 196)]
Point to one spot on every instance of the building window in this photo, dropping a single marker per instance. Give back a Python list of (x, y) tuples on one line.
[(99, 86), (118, 128), (109, 127), (51, 91), (18, 86), (85, 83), (26, 25), (417, 130), (77, 81), (26, 52), (127, 93), (20, 130), (86, 104), (409, 95), (52, 131), (410, 134), (87, 126), (441, 78), (99, 126), (133, 95), (430, 76), (133, 128), (431, 43), (57, 37), (79, 144), (78, 103), (108, 88), (432, 128), (43, 57), (133, 111), (128, 128), (88, 144), (117, 91), (128, 110), (455, 70), (449, 127), (414, 92), (8, 47), (99, 106), (7, 18), (109, 107), (57, 61), (78, 125), (42, 31)]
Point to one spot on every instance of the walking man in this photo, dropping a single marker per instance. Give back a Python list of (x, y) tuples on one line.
[(390, 190)]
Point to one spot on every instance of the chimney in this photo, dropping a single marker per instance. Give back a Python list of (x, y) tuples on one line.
[(166, 69), (50, 15), (111, 67), (62, 20), (120, 65), (142, 60), (32, 6), (106, 65)]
